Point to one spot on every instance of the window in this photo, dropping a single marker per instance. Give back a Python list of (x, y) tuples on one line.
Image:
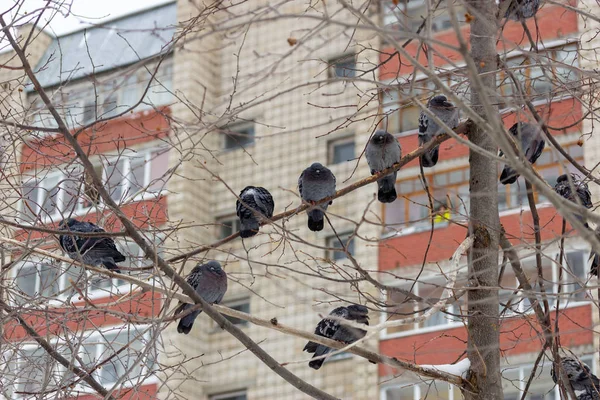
[(227, 226), (514, 379), (239, 395), (238, 135), (340, 150), (574, 276), (332, 242), (400, 110), (549, 165), (407, 15), (450, 191), (342, 67), (421, 390), (118, 349), (62, 191), (37, 371), (398, 306), (242, 305), (551, 72)]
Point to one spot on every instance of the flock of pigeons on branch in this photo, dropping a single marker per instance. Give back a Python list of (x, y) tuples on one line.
[(317, 183)]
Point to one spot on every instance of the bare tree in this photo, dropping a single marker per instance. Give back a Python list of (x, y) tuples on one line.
[(150, 125)]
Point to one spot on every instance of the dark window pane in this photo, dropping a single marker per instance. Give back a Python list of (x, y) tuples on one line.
[(342, 152), (333, 242), (343, 67), (240, 136)]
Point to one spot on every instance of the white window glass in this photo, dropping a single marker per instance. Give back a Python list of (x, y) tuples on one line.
[(31, 192), (159, 164), (115, 172), (49, 198), (136, 176)]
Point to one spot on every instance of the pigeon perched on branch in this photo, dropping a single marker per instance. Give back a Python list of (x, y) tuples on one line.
[(94, 251), (334, 329), (382, 152), (429, 129), (210, 282), (256, 204), (531, 140), (316, 183), (580, 195), (520, 9), (583, 382)]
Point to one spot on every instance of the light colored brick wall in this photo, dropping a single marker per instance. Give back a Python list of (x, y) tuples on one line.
[(589, 60), (287, 143)]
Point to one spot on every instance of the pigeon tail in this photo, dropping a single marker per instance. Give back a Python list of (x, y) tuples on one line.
[(430, 158), (186, 323), (111, 266), (508, 176), (387, 190), (315, 220), (249, 227), (321, 351)]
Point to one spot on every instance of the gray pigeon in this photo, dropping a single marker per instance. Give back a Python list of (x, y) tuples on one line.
[(583, 382), (520, 9), (256, 200), (334, 329), (382, 152), (210, 282), (582, 193), (316, 183), (531, 140), (428, 129), (94, 251)]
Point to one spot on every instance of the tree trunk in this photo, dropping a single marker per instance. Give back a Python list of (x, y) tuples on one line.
[(483, 317)]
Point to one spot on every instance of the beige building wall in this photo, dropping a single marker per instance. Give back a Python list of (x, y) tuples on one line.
[(286, 90), (589, 59), (14, 107)]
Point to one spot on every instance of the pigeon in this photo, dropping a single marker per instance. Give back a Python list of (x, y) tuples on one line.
[(254, 200), (334, 329), (382, 152), (583, 382), (595, 257), (210, 282), (94, 251), (428, 129), (316, 183), (584, 197), (531, 140), (520, 9)]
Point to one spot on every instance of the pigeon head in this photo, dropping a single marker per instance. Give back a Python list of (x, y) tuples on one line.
[(66, 223), (382, 137), (440, 102), (358, 312), (214, 267), (316, 168), (565, 178)]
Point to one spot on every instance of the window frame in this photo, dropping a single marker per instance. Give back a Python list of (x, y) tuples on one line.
[(141, 333), (228, 395), (334, 63), (331, 241), (230, 142), (510, 204), (220, 223), (343, 140), (416, 329), (77, 175)]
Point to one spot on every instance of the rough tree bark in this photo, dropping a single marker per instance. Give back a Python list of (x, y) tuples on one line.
[(483, 316)]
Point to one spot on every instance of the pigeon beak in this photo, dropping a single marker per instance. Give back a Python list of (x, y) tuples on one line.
[(318, 171)]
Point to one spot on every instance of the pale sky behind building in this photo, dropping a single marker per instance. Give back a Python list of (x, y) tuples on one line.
[(78, 14)]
